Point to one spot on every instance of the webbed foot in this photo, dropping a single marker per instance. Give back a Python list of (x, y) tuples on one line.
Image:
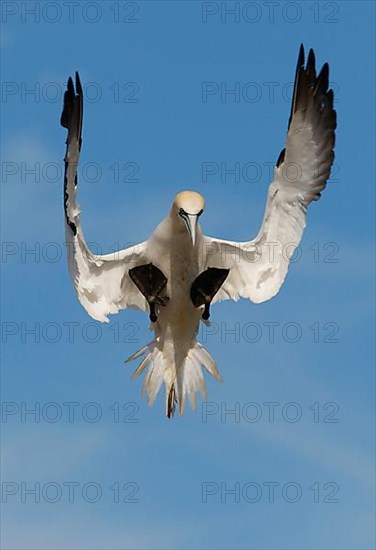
[(151, 282), (206, 286)]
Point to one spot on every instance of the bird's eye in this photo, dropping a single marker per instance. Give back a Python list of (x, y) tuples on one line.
[(201, 211), (182, 212)]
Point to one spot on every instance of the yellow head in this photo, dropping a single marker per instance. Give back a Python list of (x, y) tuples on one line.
[(187, 207)]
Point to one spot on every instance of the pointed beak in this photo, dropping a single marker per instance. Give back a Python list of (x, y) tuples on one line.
[(191, 223)]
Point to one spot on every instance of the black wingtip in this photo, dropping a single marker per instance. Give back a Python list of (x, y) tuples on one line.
[(323, 80), (301, 56), (311, 68), (73, 106), (70, 86), (78, 84), (68, 103), (299, 69), (311, 61), (325, 70), (313, 99)]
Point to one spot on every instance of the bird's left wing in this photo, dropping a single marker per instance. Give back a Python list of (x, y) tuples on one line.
[(258, 268), (102, 283)]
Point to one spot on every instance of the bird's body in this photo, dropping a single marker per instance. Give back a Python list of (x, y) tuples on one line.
[(178, 272), (179, 261), (170, 249)]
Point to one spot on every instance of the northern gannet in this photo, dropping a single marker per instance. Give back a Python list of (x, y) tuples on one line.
[(179, 272)]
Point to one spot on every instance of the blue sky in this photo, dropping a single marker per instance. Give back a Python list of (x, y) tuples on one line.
[(145, 66)]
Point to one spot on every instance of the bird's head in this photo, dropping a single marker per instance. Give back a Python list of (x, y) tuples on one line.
[(186, 209)]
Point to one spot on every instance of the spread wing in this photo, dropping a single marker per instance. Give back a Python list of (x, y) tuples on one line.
[(102, 283), (259, 267)]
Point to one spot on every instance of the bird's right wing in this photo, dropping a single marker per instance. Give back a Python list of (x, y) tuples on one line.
[(259, 267), (102, 283)]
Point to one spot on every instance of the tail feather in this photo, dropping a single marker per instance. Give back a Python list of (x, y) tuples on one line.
[(154, 377), (207, 360), (189, 380), (180, 382), (171, 401), (141, 367), (138, 353)]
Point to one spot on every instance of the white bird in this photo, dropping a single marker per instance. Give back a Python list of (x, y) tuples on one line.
[(178, 272)]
